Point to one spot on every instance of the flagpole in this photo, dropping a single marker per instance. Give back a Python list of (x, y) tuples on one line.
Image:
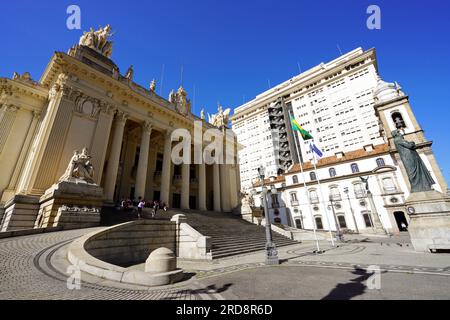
[(321, 194), (306, 193)]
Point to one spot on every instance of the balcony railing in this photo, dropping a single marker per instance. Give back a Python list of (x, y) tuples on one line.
[(294, 203)]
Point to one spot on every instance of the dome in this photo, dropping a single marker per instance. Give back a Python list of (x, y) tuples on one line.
[(386, 91)]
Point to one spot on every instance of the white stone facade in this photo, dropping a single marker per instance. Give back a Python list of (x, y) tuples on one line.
[(333, 101)]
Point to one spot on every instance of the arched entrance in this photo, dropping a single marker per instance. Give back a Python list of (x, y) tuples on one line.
[(401, 221)]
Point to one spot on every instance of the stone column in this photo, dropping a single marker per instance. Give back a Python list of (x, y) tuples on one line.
[(225, 187), (98, 145), (166, 174), (141, 174), (216, 188), (114, 157), (202, 187), (9, 192), (233, 187), (7, 118), (185, 180)]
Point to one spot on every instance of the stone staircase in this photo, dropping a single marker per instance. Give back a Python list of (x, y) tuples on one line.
[(230, 234)]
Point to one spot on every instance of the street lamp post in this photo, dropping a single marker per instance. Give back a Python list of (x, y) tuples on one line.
[(338, 229), (271, 249), (351, 209)]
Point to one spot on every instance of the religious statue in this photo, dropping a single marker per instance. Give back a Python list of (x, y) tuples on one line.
[(202, 114), (129, 74), (172, 96), (98, 40), (80, 168), (153, 85), (220, 119), (182, 103), (179, 99), (418, 174)]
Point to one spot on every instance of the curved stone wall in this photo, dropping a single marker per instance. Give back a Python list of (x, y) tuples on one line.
[(131, 243)]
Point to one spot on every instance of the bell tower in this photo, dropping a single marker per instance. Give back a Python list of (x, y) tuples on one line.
[(394, 111)]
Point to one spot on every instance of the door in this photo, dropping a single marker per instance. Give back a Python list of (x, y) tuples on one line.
[(193, 202), (402, 223), (176, 201)]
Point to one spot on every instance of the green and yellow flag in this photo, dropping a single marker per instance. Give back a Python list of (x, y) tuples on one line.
[(297, 127)]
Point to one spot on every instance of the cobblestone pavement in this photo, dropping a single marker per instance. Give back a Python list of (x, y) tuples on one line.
[(25, 273)]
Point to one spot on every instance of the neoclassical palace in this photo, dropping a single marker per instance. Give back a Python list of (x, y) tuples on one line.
[(82, 101)]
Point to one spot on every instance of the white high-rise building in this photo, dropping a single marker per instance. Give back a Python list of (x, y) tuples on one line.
[(334, 101)]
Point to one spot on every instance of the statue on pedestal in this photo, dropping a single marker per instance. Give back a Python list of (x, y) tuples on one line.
[(418, 174), (98, 40), (80, 168)]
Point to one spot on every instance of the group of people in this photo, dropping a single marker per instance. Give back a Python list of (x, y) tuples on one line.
[(141, 204)]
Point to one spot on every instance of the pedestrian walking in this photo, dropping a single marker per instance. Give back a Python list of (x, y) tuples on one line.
[(155, 208), (141, 206)]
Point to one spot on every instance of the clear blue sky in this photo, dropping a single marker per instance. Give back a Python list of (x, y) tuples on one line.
[(230, 49)]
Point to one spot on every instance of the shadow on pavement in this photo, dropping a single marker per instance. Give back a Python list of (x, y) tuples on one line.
[(346, 291), (212, 289)]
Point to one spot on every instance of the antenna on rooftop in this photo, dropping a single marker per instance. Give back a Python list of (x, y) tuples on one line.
[(182, 71), (162, 79), (193, 100), (299, 68), (339, 48)]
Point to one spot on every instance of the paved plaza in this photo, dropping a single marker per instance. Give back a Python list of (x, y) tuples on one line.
[(32, 267)]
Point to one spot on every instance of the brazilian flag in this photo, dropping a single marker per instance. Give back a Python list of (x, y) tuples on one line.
[(297, 127)]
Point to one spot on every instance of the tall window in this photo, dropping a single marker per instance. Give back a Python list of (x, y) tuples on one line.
[(342, 222), (313, 176), (319, 225), (360, 191), (294, 179), (367, 220), (294, 196), (313, 196), (380, 162), (389, 185), (355, 168), (298, 223), (335, 193), (275, 200), (332, 172)]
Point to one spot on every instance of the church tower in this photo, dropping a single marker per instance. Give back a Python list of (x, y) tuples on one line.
[(394, 111)]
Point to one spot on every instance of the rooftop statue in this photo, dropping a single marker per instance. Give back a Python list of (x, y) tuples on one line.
[(98, 40), (180, 100), (130, 73), (221, 118), (153, 85), (418, 174)]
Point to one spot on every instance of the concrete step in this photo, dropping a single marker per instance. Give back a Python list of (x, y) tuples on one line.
[(224, 254), (232, 235)]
